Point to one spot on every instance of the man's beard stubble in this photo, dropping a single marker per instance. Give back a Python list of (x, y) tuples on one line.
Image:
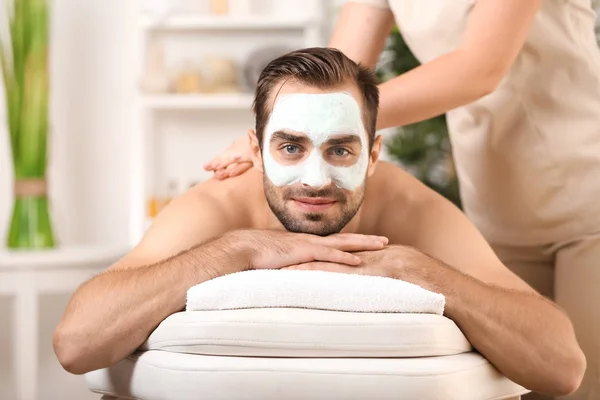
[(347, 209)]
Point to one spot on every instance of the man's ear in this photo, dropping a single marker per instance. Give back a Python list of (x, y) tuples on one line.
[(256, 154), (375, 152)]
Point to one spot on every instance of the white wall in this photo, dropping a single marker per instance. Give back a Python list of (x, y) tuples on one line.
[(93, 88)]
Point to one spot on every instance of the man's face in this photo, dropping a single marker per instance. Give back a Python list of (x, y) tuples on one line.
[(315, 158)]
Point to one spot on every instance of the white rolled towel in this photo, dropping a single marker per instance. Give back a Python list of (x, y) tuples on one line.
[(313, 290)]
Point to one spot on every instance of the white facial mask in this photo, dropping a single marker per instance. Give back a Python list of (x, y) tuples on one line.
[(319, 117)]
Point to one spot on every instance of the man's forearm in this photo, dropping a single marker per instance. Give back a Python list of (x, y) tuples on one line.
[(516, 331), (112, 314)]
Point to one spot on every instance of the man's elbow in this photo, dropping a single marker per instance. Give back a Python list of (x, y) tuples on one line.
[(73, 357), (67, 353), (568, 377)]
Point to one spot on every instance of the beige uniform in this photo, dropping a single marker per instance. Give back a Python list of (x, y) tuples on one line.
[(528, 155)]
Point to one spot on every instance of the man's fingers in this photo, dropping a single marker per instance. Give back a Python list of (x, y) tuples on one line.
[(323, 253), (325, 266), (353, 242), (309, 253), (347, 237), (358, 237)]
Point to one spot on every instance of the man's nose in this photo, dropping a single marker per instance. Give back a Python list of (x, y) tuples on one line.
[(315, 175), (316, 180)]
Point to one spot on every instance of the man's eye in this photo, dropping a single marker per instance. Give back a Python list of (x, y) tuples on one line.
[(291, 149), (340, 152)]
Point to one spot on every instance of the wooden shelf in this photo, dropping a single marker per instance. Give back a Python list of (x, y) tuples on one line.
[(215, 22), (241, 101)]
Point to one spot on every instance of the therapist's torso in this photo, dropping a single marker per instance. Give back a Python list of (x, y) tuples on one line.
[(527, 155)]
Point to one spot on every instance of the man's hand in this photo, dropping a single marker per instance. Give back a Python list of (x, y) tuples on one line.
[(397, 261), (280, 249)]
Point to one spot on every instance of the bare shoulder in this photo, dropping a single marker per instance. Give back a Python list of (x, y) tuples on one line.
[(394, 200), (410, 213), (205, 211), (396, 181), (233, 198)]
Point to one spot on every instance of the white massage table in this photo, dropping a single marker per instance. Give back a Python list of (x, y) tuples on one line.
[(282, 353), (297, 353)]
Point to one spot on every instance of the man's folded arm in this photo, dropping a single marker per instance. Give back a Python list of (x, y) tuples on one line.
[(112, 314), (526, 336)]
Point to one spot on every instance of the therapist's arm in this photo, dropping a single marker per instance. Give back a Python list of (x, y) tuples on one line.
[(361, 31), (495, 33)]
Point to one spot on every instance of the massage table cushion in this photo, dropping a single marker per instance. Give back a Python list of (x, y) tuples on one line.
[(285, 353)]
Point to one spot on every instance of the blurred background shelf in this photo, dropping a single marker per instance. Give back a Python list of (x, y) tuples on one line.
[(197, 67), (233, 101), (211, 22)]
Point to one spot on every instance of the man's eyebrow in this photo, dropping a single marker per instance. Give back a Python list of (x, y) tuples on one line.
[(289, 137), (347, 139)]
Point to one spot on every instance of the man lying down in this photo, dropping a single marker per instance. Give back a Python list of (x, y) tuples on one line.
[(319, 199)]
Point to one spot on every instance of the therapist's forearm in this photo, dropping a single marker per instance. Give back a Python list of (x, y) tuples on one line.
[(526, 337), (434, 88)]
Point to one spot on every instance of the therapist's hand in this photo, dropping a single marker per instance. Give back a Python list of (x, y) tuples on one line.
[(233, 161)]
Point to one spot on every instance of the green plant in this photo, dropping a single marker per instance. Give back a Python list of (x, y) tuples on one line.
[(423, 149), (24, 62)]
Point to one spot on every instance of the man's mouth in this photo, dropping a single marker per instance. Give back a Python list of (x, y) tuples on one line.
[(313, 204)]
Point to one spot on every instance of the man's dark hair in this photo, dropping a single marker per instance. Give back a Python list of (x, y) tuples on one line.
[(322, 68)]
